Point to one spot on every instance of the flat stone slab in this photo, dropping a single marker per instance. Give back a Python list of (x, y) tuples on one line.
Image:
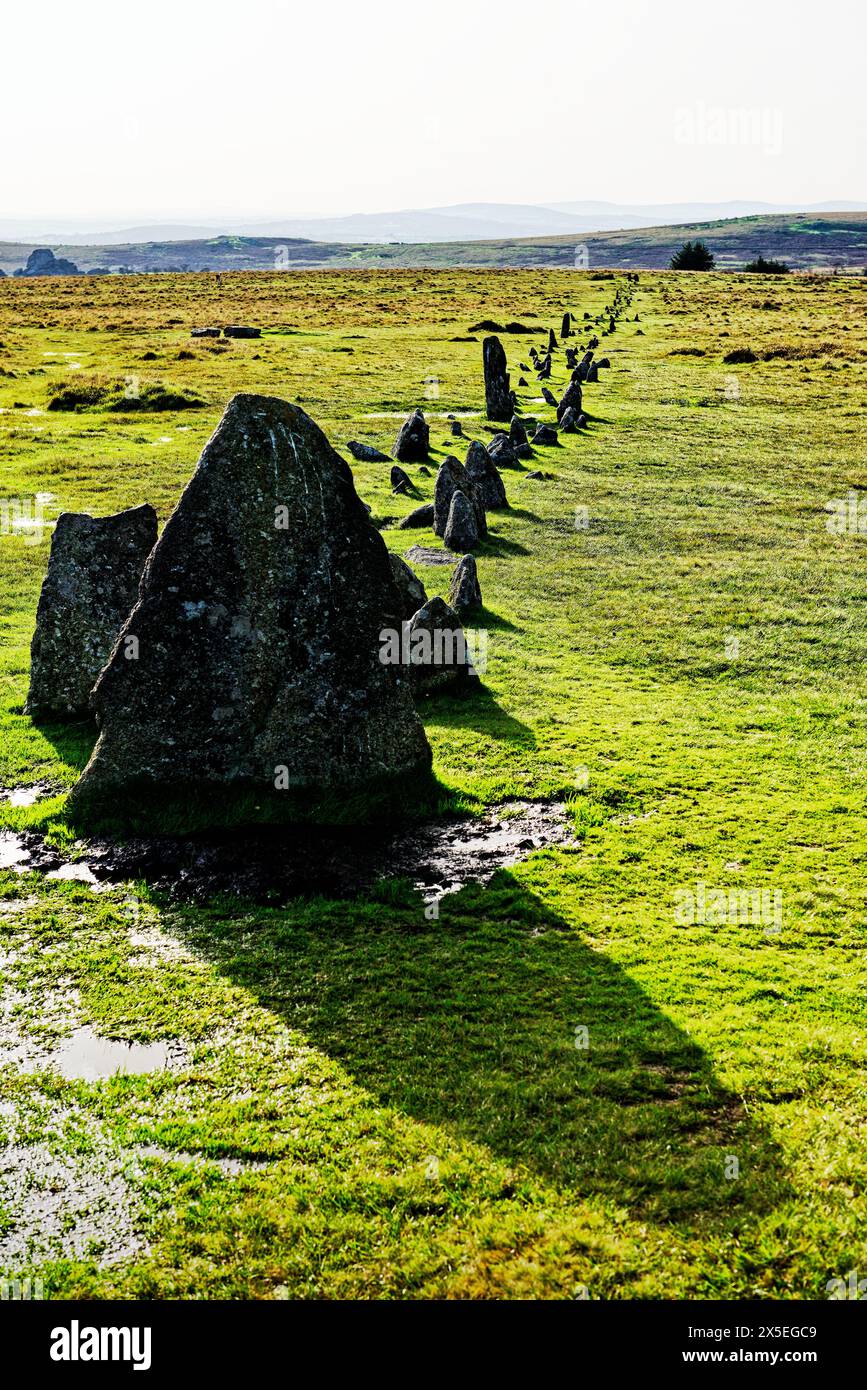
[(425, 555)]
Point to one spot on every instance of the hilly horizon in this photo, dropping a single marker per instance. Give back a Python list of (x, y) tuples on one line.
[(472, 221), (803, 241)]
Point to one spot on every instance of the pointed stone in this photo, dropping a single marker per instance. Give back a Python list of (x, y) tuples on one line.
[(413, 441), (452, 478), (498, 398), (486, 476), (91, 585), (259, 666), (465, 593), (440, 658), (462, 531), (411, 591)]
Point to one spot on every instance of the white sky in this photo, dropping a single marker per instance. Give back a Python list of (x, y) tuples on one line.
[(287, 108)]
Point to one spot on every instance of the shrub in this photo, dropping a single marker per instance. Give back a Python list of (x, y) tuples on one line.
[(762, 267), (81, 392)]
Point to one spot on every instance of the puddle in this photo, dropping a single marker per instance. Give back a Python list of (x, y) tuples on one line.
[(277, 863), (13, 849), (77, 872), (25, 796), (85, 1056), (63, 1198)]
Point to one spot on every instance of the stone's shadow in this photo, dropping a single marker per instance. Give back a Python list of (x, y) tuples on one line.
[(524, 512), (484, 618), (73, 742), (498, 1023), (495, 544), (478, 710)]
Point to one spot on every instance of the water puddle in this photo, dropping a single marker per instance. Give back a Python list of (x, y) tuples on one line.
[(25, 796), (85, 1056), (277, 863)]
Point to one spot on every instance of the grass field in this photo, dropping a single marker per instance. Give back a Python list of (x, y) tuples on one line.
[(372, 1104)]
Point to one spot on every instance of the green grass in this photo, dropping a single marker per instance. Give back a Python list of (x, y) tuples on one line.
[(403, 1098)]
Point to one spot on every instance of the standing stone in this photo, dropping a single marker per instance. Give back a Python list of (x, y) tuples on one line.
[(552, 340), (498, 398), (410, 589), (91, 585), (439, 656), (546, 436), (456, 428), (485, 475), (258, 625), (549, 397), (572, 397), (465, 593), (517, 432), (462, 531), (567, 421), (400, 481), (566, 329), (413, 440), (592, 372), (452, 478), (502, 451)]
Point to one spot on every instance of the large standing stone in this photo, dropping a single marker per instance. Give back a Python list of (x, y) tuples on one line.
[(498, 397), (413, 441), (451, 478), (259, 665), (486, 476), (92, 583), (566, 328)]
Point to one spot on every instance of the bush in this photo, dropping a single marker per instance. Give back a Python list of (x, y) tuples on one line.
[(81, 392), (762, 267), (693, 255)]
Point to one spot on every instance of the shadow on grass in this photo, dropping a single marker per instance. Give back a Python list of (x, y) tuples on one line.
[(476, 1022), (478, 710)]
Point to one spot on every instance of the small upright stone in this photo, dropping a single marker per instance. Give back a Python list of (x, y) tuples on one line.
[(439, 656), (456, 429), (485, 475), (566, 329), (413, 441), (549, 397), (465, 593), (462, 531), (545, 435), (452, 478), (400, 481), (552, 340), (502, 451), (91, 585), (572, 397), (498, 397), (517, 432), (411, 591)]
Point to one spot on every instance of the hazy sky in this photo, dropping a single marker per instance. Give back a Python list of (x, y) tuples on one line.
[(266, 107)]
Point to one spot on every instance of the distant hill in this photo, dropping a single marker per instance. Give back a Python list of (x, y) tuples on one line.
[(806, 241), (458, 222)]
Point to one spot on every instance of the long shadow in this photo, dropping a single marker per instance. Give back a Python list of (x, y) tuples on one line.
[(478, 710), (500, 1024), (73, 742)]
